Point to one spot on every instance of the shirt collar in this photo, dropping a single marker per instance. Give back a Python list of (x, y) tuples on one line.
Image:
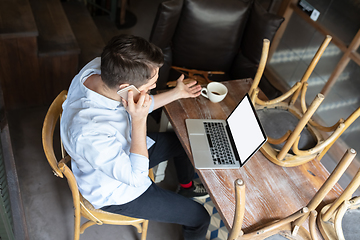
[(96, 97)]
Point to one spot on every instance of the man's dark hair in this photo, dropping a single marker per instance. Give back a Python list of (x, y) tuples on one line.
[(129, 59)]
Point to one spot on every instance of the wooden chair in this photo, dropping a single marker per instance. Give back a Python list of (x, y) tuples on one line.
[(291, 226), (330, 218), (289, 154), (81, 206)]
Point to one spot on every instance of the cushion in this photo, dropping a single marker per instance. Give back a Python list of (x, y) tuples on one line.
[(277, 122), (165, 69), (209, 33), (244, 68), (163, 29), (165, 22), (261, 25)]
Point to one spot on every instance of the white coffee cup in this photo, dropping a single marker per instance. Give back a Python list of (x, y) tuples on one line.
[(215, 91)]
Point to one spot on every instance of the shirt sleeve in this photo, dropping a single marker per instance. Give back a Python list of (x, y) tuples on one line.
[(152, 104), (105, 153)]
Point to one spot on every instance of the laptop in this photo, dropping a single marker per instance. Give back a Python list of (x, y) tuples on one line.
[(230, 143)]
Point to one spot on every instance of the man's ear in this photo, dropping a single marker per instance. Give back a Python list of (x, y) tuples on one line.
[(124, 85)]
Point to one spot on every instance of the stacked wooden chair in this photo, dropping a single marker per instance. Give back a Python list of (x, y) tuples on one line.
[(284, 150), (82, 207), (329, 219)]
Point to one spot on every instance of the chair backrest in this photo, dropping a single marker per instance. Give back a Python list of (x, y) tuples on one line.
[(209, 33), (51, 119), (60, 167)]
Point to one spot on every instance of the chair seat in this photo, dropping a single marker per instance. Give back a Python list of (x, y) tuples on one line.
[(108, 217), (351, 216), (340, 224), (277, 122)]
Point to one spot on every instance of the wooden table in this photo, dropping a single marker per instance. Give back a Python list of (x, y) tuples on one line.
[(272, 192)]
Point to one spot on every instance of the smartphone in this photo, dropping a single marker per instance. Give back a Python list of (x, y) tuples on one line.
[(124, 93)]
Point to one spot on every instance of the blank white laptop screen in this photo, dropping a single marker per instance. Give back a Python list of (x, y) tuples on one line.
[(243, 131), (243, 122)]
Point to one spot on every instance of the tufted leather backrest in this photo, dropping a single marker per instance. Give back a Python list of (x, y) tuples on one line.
[(214, 35), (209, 33), (165, 23), (261, 25)]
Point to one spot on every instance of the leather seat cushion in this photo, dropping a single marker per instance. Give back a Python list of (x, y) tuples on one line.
[(244, 68), (277, 122)]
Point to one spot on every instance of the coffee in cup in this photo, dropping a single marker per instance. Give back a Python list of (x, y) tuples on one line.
[(214, 91)]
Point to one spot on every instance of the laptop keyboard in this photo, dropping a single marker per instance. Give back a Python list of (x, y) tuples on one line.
[(219, 143)]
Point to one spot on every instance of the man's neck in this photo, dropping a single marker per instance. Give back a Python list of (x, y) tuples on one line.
[(96, 84)]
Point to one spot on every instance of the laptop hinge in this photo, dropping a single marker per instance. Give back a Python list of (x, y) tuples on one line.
[(232, 142)]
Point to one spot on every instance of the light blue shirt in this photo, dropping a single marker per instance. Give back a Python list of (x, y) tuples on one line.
[(96, 133)]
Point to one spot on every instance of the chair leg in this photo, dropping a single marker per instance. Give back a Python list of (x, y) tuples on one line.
[(261, 68), (328, 185), (86, 225), (300, 126), (312, 225), (77, 218), (123, 12), (311, 67), (348, 192), (76, 231), (144, 229), (239, 210)]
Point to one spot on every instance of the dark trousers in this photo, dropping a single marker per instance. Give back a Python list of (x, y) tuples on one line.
[(165, 206)]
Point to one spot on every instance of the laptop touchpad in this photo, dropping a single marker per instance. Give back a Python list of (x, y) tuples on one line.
[(199, 142)]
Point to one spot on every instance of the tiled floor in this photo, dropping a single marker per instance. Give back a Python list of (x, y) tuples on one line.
[(47, 199)]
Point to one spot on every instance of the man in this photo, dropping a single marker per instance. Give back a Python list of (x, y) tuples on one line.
[(106, 138)]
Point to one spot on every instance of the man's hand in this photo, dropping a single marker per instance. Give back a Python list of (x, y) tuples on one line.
[(182, 90), (140, 109), (190, 90), (138, 112)]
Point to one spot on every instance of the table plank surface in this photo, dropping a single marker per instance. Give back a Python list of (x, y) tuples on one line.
[(272, 192)]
